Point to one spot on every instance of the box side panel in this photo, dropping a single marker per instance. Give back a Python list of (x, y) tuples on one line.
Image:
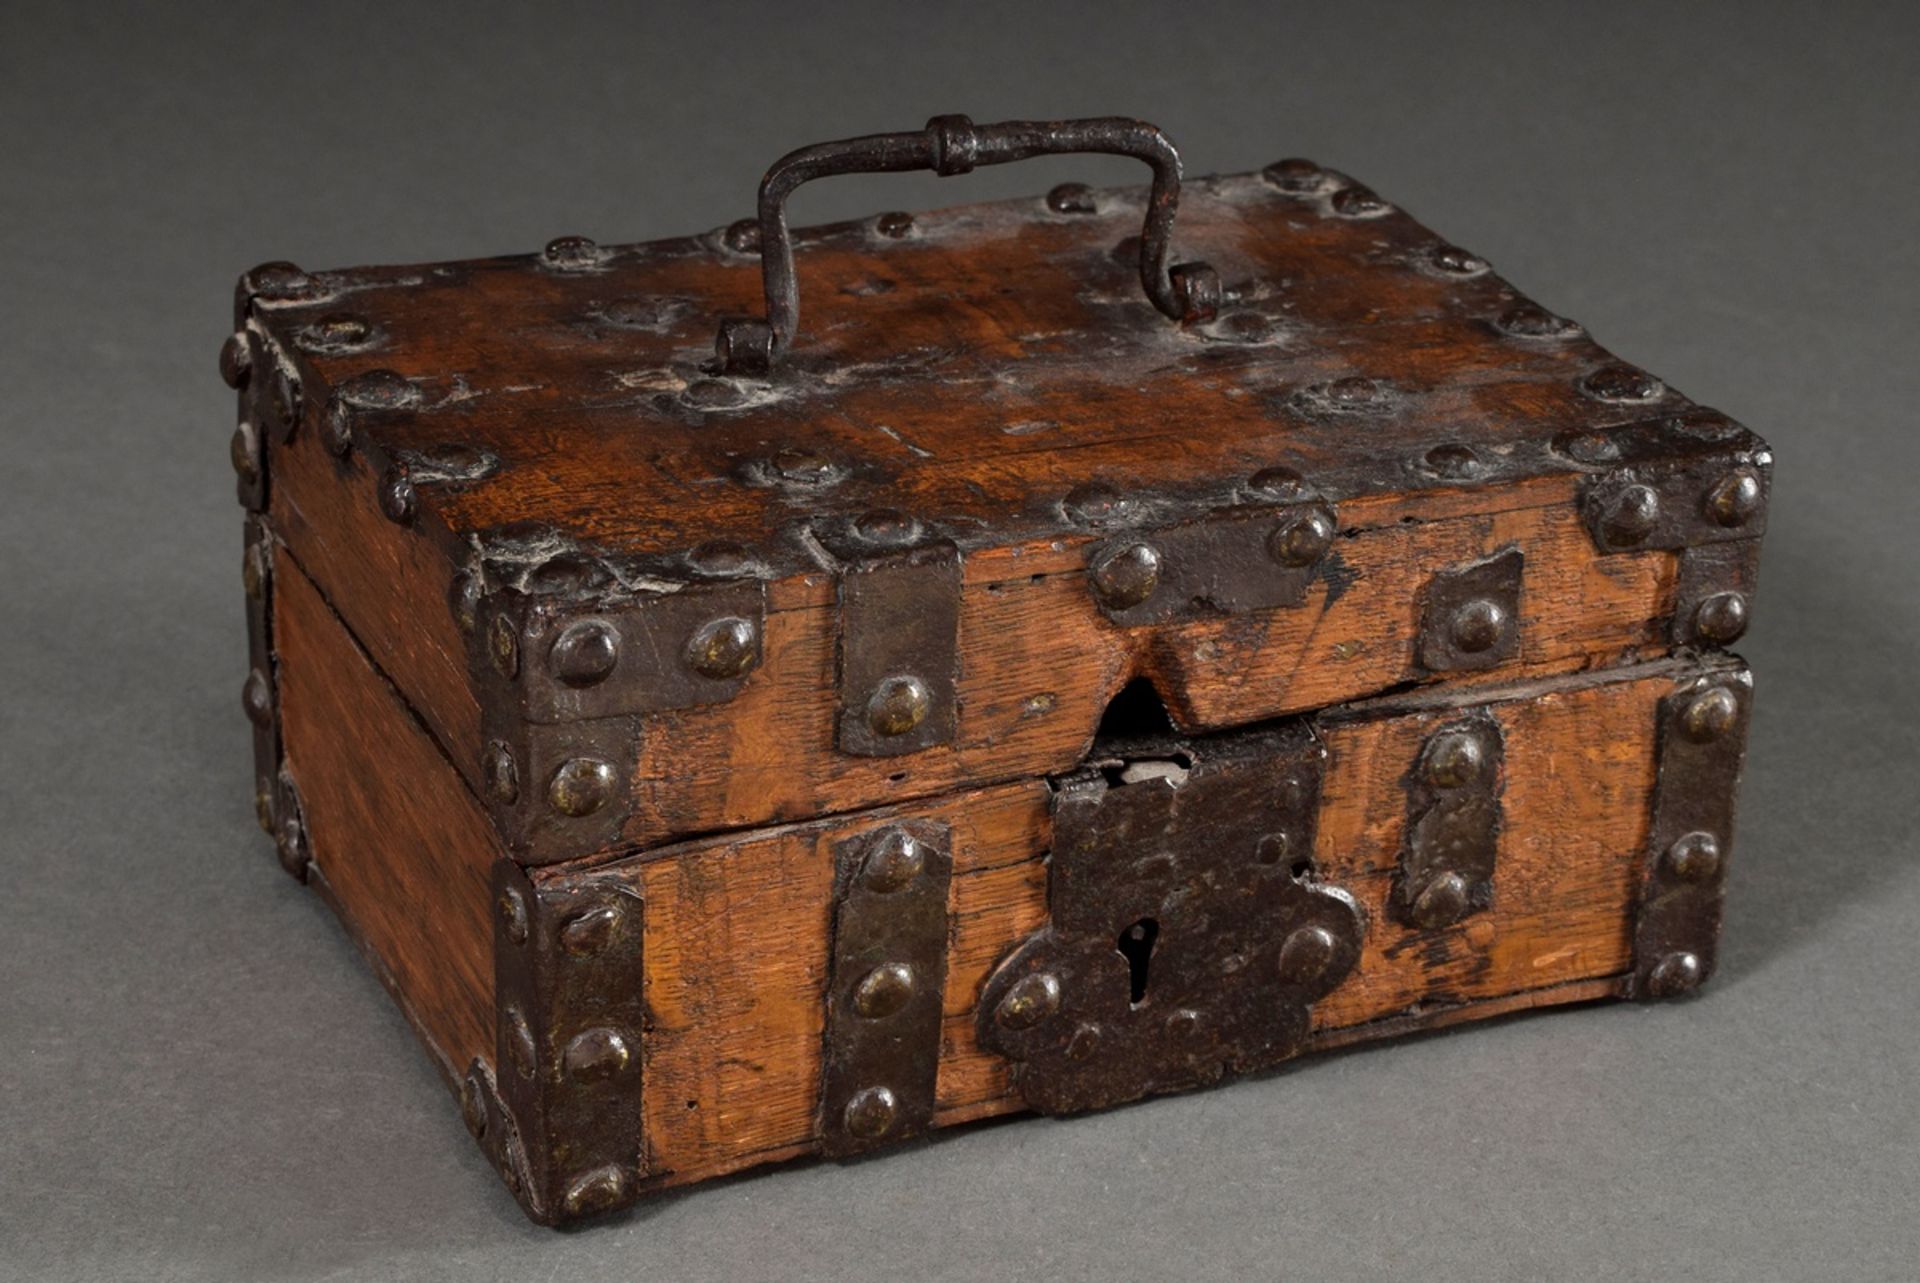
[(389, 582), (738, 931), (402, 848)]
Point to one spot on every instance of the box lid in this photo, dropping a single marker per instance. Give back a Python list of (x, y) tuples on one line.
[(986, 480)]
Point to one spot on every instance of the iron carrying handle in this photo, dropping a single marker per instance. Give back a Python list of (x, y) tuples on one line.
[(955, 145)]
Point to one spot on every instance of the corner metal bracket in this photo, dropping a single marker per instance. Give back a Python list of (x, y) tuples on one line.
[(899, 646), (1229, 562), (1470, 615), (1188, 934), (1453, 825), (561, 789), (567, 669), (1702, 747), (885, 991), (243, 358), (1676, 482), (566, 648), (260, 695), (1713, 594), (568, 982)]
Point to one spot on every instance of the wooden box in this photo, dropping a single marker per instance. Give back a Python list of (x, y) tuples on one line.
[(1050, 675)]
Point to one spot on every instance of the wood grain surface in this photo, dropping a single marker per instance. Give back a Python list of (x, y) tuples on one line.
[(402, 845)]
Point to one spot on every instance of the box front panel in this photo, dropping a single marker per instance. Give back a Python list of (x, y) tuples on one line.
[(739, 950)]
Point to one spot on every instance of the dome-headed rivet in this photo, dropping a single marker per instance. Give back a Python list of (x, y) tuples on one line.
[(335, 332), (1306, 954), (1457, 261), (595, 1054), (872, 1112), (1454, 460), (1352, 393), (263, 805), (512, 908), (336, 426), (1588, 447), (1440, 903), (720, 558), (600, 1190), (585, 652), (463, 599), (1721, 618), (244, 451), (503, 647), (1243, 327), (257, 698), (1094, 503), (1734, 498), (1477, 625), (1072, 198), (279, 282), (1274, 847), (1694, 857), (1085, 1041), (283, 402), (236, 360), (803, 467), (520, 1047), (897, 705), (253, 572), (896, 859), (1302, 538), (714, 394), (1622, 383), (397, 497), (1126, 576), (1456, 759), (887, 527), (1675, 974), (883, 990), (894, 223), (1295, 175), (1358, 202), (571, 252), (1032, 999), (1278, 482), (1710, 715), (379, 390), (1631, 515), (473, 1103), (1531, 321), (291, 845), (724, 648), (580, 786), (589, 932), (502, 773), (568, 574), (742, 236)]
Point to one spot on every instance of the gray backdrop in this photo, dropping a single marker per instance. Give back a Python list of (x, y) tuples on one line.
[(199, 1078)]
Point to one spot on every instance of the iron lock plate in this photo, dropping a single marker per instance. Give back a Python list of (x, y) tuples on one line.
[(1187, 933)]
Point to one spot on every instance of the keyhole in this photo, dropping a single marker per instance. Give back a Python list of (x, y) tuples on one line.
[(1136, 946)]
